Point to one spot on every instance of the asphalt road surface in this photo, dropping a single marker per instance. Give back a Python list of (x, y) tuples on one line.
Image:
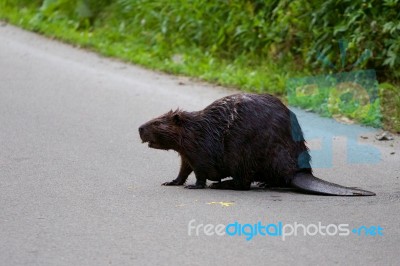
[(77, 186)]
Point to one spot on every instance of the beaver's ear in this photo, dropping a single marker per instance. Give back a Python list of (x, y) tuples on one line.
[(177, 119)]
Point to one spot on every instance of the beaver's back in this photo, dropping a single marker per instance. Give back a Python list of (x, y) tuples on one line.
[(263, 141)]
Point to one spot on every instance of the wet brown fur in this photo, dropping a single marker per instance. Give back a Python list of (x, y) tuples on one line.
[(247, 137)]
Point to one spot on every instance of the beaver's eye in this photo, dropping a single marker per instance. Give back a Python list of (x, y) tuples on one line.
[(157, 123)]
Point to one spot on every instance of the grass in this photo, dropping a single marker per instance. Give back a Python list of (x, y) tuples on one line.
[(244, 72)]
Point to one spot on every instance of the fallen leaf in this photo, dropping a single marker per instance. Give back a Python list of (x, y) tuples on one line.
[(223, 204)]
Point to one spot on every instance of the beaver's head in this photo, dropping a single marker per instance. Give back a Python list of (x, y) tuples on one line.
[(163, 132)]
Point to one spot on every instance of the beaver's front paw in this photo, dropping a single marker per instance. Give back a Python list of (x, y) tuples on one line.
[(172, 183)]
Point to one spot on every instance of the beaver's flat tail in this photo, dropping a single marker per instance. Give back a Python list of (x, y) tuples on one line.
[(309, 183)]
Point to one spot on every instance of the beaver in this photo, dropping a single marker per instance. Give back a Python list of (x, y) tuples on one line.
[(245, 137)]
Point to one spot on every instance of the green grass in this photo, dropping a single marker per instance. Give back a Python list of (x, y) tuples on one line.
[(111, 36)]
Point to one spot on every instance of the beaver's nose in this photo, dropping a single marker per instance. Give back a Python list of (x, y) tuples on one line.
[(141, 129)]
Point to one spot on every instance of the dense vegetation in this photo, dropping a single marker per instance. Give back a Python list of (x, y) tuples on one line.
[(256, 45)]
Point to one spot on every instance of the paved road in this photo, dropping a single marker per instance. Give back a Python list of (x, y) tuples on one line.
[(78, 188)]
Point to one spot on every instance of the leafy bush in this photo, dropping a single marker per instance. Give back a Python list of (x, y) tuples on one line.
[(261, 30), (373, 25), (277, 29)]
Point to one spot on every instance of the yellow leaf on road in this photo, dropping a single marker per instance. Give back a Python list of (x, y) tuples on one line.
[(224, 204)]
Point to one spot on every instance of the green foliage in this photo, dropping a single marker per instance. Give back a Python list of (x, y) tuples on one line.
[(271, 29), (277, 30), (226, 29), (373, 25)]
